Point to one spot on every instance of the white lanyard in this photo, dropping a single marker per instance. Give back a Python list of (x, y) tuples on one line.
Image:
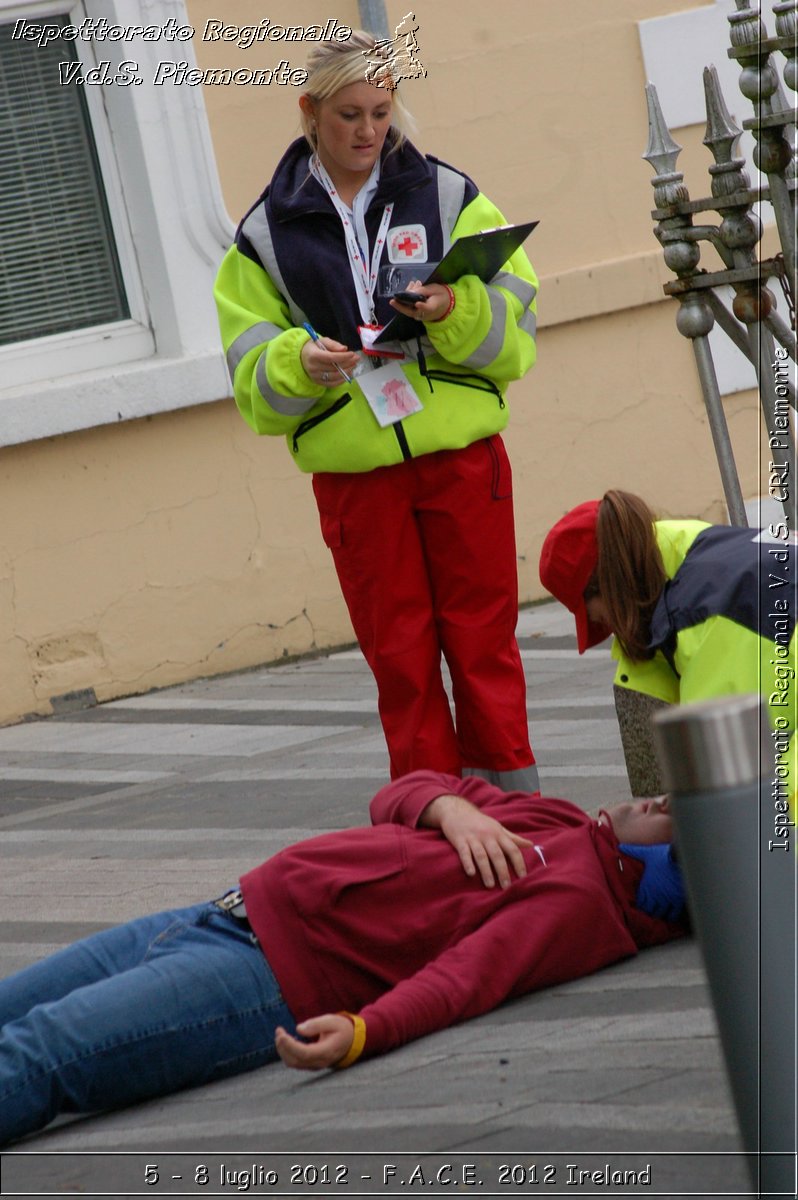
[(364, 276)]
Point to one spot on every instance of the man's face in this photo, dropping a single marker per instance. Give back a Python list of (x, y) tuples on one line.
[(642, 823)]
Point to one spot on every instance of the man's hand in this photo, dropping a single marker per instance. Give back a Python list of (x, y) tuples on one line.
[(483, 844), (332, 1036)]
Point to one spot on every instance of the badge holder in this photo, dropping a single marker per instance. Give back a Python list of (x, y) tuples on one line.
[(389, 394), (369, 334)]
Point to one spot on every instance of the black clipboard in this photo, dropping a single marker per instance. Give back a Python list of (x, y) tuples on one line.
[(482, 254)]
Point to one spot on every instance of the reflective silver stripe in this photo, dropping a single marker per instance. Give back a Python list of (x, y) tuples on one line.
[(256, 230), (491, 345), (289, 406), (451, 191), (523, 779), (411, 348), (520, 288), (529, 324), (256, 335)]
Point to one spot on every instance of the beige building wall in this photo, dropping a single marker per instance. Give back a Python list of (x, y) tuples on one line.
[(153, 551)]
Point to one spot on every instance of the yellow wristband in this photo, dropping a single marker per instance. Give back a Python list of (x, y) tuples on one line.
[(358, 1041)]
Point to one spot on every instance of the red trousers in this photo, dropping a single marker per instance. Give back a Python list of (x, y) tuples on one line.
[(425, 555)]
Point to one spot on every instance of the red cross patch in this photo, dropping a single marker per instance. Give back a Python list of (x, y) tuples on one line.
[(407, 244)]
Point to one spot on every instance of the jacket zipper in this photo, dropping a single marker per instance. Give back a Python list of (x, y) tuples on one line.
[(312, 422), (401, 438), (478, 383)]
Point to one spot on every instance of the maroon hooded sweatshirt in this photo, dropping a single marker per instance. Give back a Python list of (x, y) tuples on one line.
[(383, 922)]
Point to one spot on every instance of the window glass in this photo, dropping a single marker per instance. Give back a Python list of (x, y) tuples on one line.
[(59, 269)]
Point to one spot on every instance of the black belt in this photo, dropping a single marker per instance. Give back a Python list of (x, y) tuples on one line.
[(232, 903)]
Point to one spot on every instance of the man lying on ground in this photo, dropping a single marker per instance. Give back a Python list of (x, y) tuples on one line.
[(459, 896)]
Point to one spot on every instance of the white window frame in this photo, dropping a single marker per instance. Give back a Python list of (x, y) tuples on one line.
[(171, 230)]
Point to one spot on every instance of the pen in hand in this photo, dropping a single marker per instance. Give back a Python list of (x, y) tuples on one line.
[(319, 342)]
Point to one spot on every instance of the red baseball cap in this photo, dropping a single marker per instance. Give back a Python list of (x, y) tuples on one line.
[(567, 562)]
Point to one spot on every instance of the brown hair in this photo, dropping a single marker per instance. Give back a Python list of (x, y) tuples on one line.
[(630, 574)]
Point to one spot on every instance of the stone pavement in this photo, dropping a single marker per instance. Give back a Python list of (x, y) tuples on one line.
[(164, 799)]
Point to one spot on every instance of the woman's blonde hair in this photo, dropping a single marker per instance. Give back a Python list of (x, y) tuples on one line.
[(335, 65)]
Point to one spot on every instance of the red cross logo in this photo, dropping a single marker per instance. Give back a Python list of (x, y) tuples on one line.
[(409, 245)]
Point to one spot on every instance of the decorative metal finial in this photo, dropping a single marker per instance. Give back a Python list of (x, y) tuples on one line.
[(662, 151), (747, 28), (722, 132), (728, 174), (787, 27)]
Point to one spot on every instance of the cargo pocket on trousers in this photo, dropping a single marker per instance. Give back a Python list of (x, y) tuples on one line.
[(502, 480)]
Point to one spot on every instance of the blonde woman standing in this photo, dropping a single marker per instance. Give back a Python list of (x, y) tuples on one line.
[(410, 475)]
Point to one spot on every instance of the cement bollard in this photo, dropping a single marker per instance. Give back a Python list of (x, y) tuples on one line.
[(717, 764), (635, 712)]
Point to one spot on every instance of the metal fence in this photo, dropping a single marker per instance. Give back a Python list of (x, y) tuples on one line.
[(761, 322)]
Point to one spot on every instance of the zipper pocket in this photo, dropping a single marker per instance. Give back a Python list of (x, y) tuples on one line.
[(312, 422), (478, 382)]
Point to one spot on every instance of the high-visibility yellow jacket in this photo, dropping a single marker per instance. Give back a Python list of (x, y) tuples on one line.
[(725, 624), (289, 265)]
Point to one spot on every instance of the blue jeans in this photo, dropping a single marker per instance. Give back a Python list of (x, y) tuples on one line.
[(162, 1003)]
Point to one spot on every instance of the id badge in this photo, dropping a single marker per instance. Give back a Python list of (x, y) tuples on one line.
[(389, 394), (368, 334)]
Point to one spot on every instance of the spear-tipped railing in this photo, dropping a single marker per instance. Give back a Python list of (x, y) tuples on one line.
[(754, 324)]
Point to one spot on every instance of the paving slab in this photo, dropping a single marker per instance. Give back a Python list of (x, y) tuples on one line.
[(165, 798)]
